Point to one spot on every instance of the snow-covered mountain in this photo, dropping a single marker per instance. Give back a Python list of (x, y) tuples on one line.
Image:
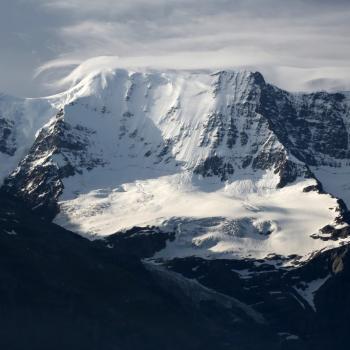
[(233, 166)]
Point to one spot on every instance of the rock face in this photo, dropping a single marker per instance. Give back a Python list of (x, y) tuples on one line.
[(314, 127), (59, 151)]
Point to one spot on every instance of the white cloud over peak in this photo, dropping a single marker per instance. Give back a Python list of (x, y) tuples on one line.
[(297, 45)]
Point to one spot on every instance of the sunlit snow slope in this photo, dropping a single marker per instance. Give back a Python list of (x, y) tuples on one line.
[(225, 160)]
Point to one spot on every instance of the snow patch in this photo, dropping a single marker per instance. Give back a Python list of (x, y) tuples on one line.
[(308, 290)]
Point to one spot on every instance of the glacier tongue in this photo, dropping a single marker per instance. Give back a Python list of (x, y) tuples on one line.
[(158, 148)]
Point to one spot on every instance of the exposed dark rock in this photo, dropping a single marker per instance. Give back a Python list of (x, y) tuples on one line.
[(267, 159), (338, 263), (290, 171), (7, 137), (310, 126), (246, 161), (317, 188), (244, 138), (143, 242), (231, 134), (344, 214), (215, 166), (214, 130), (330, 232)]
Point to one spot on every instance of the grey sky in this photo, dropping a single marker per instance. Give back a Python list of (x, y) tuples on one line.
[(295, 44)]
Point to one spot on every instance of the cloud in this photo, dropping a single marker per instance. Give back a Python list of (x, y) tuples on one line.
[(291, 42)]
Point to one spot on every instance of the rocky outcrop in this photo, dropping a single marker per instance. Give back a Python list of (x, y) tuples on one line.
[(59, 151)]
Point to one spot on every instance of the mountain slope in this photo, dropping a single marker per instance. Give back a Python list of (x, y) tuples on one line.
[(59, 290), (224, 159), (20, 120), (215, 205)]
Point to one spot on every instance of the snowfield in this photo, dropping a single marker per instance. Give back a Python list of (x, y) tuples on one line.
[(238, 219)]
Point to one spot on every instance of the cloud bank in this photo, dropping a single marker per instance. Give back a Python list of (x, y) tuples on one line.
[(298, 45)]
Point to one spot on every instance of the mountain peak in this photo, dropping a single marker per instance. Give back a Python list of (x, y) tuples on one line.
[(223, 144), (106, 68)]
